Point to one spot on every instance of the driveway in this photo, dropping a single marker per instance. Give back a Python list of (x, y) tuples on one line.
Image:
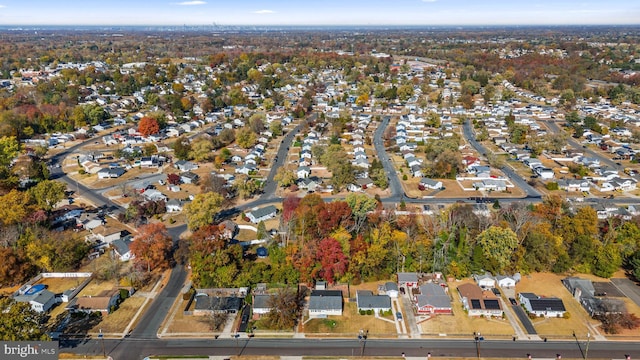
[(524, 319), (628, 288)]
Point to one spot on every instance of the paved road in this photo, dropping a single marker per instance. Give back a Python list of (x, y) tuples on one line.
[(281, 156), (397, 192), (553, 126), (128, 349), (149, 324), (513, 176)]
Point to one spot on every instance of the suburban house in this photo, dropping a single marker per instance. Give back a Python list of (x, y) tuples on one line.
[(110, 173), (478, 302), (228, 229), (323, 303), (433, 300), (261, 305), (541, 306), (184, 165), (595, 304), (431, 184), (105, 302), (174, 205), (574, 185), (390, 289), (121, 249), (485, 281), (188, 177), (262, 214), (303, 172), (506, 281), (40, 301), (208, 303), (408, 280), (377, 303)]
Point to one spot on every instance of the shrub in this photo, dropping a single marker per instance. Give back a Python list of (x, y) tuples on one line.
[(552, 186), (369, 312), (566, 315), (362, 312)]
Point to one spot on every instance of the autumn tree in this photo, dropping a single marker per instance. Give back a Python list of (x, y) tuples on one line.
[(333, 261), (152, 246), (286, 306), (19, 322), (46, 194), (148, 126), (245, 138), (14, 268), (203, 209), (182, 148), (497, 245), (361, 205), (285, 177)]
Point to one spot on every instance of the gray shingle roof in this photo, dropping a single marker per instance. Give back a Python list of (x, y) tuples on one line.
[(325, 300)]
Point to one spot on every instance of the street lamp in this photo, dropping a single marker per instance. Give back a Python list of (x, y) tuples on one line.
[(362, 336)]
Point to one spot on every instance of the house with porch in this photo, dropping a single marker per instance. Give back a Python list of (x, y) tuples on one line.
[(432, 300), (323, 303), (366, 300)]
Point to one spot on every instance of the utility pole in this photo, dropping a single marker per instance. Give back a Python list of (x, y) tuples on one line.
[(586, 350)]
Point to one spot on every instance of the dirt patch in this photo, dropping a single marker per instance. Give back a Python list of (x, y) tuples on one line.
[(58, 285), (117, 321)]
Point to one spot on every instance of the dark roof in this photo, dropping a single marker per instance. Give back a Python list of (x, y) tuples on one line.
[(475, 304), (374, 301), (407, 277), (546, 304), (216, 303), (325, 300), (121, 246), (267, 210), (261, 301), (492, 304), (431, 289)]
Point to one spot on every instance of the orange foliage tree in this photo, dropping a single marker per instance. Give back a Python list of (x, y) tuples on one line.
[(148, 126), (152, 246)]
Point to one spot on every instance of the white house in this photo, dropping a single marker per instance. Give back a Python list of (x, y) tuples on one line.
[(303, 172), (542, 306), (485, 281), (262, 214), (431, 184), (324, 303), (506, 281)]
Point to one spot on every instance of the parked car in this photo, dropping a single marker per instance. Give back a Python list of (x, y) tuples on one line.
[(399, 315)]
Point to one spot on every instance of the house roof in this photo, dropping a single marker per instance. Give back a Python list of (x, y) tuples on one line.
[(437, 301), (121, 246), (407, 277), (547, 304), (267, 210), (92, 302), (368, 300), (261, 301), (430, 182), (41, 297), (325, 300), (218, 303), (390, 286), (431, 289)]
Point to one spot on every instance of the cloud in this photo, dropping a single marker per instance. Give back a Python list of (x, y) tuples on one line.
[(429, 1), (2, 6), (190, 3), (264, 12)]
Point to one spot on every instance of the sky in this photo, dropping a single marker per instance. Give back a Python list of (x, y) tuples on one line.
[(325, 12)]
